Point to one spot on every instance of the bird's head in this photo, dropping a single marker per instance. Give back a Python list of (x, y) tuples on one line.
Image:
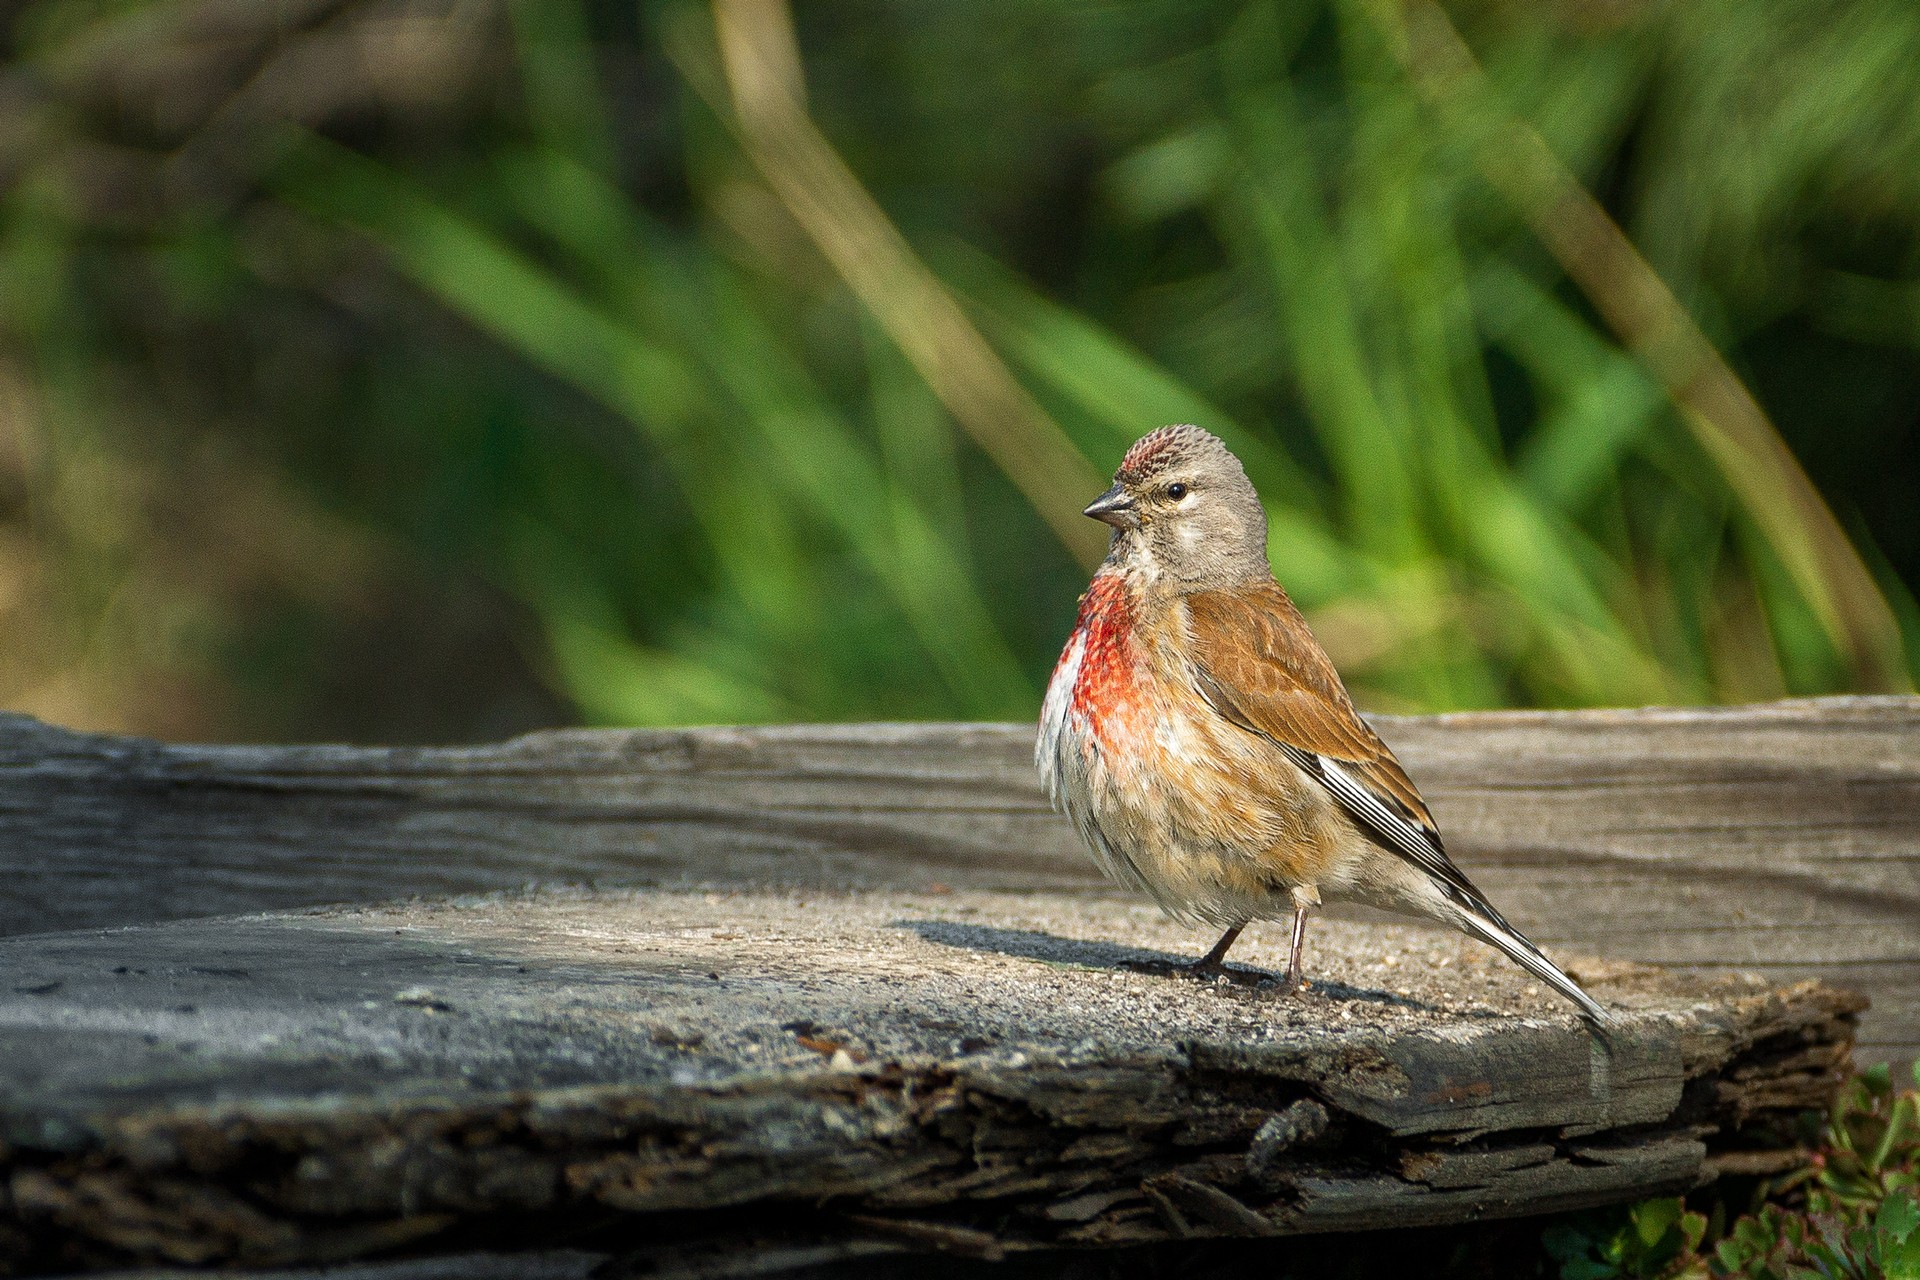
[(1182, 507)]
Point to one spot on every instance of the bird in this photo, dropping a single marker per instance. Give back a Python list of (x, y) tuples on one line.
[(1203, 745)]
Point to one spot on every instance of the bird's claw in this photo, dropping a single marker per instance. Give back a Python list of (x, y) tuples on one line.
[(1196, 971), (1202, 971)]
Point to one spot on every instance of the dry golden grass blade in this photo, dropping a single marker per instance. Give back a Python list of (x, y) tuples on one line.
[(761, 61), (1649, 321)]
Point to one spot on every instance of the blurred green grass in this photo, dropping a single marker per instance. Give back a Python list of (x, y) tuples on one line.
[(533, 313)]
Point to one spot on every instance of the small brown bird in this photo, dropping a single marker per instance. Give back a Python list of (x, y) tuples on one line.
[(1203, 744)]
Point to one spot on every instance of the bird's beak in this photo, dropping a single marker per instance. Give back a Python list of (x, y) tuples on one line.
[(1114, 507)]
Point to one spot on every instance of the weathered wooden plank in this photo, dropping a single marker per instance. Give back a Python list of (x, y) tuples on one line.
[(101, 830), (964, 1070), (1782, 839)]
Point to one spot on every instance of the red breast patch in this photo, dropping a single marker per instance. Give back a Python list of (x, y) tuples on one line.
[(1107, 689)]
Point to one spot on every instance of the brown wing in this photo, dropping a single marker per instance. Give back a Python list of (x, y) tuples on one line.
[(1261, 668), (1265, 672)]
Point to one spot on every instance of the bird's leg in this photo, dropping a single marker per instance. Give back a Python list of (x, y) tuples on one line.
[(1205, 969), (1305, 897), (1293, 952), (1211, 964)]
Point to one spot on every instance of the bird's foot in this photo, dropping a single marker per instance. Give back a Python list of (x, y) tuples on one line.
[(1202, 971), (1195, 971), (1293, 984)]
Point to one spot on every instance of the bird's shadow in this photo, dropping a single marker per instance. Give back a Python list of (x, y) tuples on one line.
[(1049, 948)]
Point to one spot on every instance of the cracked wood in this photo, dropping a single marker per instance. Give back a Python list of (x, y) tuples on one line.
[(882, 1070)]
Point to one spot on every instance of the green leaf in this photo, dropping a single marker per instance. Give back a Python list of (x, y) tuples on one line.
[(1169, 175), (1897, 1226), (1598, 400), (1652, 1219)]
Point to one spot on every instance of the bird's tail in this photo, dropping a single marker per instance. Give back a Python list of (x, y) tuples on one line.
[(1483, 922)]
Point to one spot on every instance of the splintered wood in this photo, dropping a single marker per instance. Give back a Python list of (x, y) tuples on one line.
[(967, 1070)]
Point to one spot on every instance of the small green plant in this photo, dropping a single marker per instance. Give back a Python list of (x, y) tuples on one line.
[(1868, 1149), (1781, 1244), (1653, 1239), (1852, 1212)]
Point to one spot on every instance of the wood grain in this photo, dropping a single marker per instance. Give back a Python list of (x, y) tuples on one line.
[(1782, 839), (963, 1070)]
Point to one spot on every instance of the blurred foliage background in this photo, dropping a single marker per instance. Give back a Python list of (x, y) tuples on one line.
[(410, 370)]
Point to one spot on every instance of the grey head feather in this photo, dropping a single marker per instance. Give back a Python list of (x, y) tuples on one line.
[(1191, 516)]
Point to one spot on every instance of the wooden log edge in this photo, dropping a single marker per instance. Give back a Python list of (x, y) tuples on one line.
[(1017, 1148)]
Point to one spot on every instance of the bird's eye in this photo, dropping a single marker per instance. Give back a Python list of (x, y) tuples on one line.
[(1176, 491)]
